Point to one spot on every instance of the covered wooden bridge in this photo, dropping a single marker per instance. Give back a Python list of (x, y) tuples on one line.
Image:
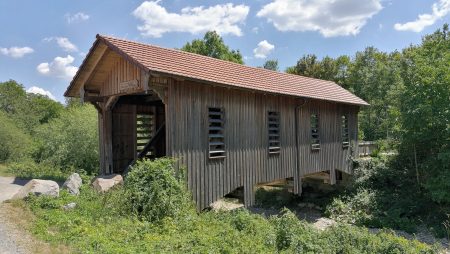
[(231, 125)]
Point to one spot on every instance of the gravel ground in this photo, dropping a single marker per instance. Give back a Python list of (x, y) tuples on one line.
[(8, 237), (9, 232)]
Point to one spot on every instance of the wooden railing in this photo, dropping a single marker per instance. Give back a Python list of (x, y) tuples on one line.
[(366, 148), (156, 137)]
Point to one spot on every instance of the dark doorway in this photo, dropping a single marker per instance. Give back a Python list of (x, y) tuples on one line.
[(138, 130)]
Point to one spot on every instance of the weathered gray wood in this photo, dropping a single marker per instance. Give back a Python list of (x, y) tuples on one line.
[(245, 130)]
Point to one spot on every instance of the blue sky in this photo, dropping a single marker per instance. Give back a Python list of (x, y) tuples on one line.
[(42, 43)]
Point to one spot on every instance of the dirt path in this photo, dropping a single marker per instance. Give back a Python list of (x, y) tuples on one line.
[(9, 233), (10, 186)]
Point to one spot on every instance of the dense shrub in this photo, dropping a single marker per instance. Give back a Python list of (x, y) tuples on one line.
[(30, 169), (100, 224), (383, 195), (295, 235), (155, 189), (14, 143), (71, 140)]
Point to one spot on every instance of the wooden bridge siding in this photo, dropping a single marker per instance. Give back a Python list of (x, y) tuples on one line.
[(124, 136), (331, 155), (120, 70), (247, 160)]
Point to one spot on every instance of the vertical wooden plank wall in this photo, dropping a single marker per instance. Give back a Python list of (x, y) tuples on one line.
[(121, 70), (331, 155), (247, 159), (124, 136)]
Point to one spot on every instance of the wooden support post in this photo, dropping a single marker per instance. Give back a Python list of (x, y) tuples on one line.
[(249, 195), (82, 94), (297, 185), (145, 81), (332, 176), (106, 160), (98, 108), (108, 151), (101, 139)]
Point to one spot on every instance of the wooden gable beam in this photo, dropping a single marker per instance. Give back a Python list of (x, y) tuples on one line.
[(96, 59)]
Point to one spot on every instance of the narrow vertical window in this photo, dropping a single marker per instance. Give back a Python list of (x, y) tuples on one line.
[(274, 132), (315, 138), (344, 128), (216, 133), (145, 129)]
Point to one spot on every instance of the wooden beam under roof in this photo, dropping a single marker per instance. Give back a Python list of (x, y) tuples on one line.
[(88, 69)]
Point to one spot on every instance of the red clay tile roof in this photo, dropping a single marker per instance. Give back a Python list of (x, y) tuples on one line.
[(203, 68)]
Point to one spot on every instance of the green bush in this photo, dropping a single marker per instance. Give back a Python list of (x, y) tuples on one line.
[(30, 169), (384, 195), (356, 209), (15, 144), (71, 140), (100, 223), (274, 198), (155, 189), (295, 235)]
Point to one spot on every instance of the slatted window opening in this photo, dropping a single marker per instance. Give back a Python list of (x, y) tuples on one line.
[(145, 129), (344, 127), (216, 138), (274, 132), (315, 138)]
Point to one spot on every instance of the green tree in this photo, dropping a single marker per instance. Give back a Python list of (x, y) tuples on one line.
[(15, 144), (71, 140), (271, 65), (213, 45), (425, 113), (371, 75), (12, 96), (27, 110), (374, 76)]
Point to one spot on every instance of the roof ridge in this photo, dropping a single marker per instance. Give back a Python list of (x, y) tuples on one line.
[(216, 59)]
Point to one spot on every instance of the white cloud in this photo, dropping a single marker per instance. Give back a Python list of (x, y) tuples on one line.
[(255, 30), (264, 48), (328, 17), (38, 90), (60, 67), (440, 10), (16, 52), (77, 17), (224, 19), (63, 43)]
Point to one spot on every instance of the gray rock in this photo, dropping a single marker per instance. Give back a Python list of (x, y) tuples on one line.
[(69, 206), (73, 184), (38, 187), (104, 183)]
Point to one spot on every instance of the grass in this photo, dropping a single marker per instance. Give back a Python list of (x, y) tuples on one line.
[(152, 213), (98, 225), (29, 169), (4, 170)]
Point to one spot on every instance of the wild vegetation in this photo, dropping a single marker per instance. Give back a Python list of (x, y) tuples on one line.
[(122, 221), (404, 185), (409, 115), (40, 137)]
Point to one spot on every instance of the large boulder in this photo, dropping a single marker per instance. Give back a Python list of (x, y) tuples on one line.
[(73, 184), (38, 187), (104, 183)]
